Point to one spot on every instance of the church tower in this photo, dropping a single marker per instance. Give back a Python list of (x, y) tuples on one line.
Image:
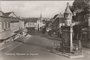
[(68, 15), (41, 17)]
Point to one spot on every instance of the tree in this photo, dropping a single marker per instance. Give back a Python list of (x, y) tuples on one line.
[(82, 7), (81, 4)]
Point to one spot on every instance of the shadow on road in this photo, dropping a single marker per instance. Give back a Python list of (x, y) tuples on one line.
[(38, 45), (45, 35), (39, 41)]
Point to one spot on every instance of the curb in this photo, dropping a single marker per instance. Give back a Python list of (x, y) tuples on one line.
[(68, 55)]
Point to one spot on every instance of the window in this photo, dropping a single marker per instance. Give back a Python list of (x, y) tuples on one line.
[(8, 25), (5, 25), (0, 25)]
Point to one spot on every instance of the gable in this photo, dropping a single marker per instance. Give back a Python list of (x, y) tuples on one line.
[(12, 15)]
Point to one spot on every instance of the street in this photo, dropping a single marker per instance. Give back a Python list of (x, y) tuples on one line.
[(35, 47)]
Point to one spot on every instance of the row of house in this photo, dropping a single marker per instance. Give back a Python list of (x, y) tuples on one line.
[(10, 23)]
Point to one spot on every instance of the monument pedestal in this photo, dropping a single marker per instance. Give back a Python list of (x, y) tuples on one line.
[(68, 55)]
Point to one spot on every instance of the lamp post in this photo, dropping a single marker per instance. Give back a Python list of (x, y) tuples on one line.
[(71, 37)]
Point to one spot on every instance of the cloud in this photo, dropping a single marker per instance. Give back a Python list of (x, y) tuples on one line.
[(34, 8)]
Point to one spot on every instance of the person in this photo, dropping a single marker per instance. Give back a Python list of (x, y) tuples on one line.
[(44, 30)]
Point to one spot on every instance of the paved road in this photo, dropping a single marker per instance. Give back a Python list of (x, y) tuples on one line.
[(35, 48)]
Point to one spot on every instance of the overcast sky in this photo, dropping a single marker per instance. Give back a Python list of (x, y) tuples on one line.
[(34, 8)]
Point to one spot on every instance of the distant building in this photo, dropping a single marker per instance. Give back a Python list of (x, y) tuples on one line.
[(34, 22), (40, 23), (30, 22)]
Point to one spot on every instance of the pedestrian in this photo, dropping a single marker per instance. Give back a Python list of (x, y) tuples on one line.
[(44, 30)]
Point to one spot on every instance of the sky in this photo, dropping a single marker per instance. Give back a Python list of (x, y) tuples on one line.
[(34, 8)]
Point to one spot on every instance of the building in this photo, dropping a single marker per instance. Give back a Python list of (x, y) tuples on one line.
[(9, 24), (30, 22), (57, 21), (40, 23), (34, 23)]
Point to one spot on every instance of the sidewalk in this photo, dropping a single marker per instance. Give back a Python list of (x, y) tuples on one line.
[(6, 34), (9, 43)]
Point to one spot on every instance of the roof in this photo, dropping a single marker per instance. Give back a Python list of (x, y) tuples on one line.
[(55, 16), (9, 19), (6, 17), (67, 10), (60, 16), (7, 14)]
